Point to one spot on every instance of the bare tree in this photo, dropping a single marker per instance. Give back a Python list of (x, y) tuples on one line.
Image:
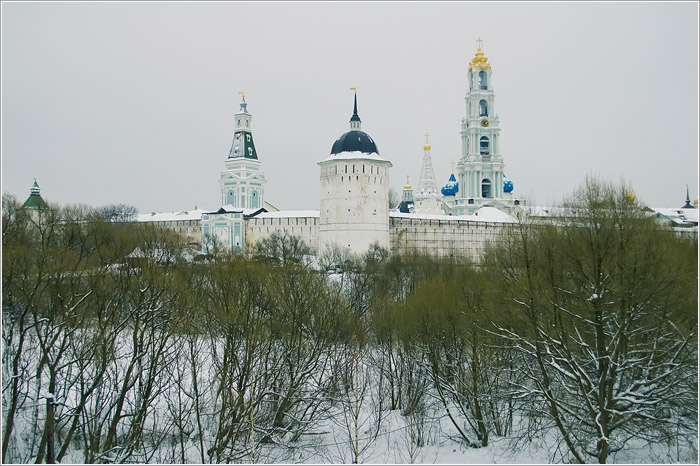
[(602, 319)]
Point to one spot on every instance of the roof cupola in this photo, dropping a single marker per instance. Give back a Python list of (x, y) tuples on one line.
[(355, 140), (35, 201)]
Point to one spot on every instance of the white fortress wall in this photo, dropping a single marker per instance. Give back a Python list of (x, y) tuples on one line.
[(442, 235), (303, 224)]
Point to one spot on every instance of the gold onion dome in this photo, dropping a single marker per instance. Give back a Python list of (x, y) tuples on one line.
[(479, 61), (695, 202), (408, 184), (426, 147), (630, 197)]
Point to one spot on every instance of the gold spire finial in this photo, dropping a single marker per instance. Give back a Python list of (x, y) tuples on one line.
[(408, 184), (426, 146), (354, 89), (479, 60), (452, 164), (242, 94)]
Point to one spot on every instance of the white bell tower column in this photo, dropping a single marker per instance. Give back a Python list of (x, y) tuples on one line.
[(481, 166)]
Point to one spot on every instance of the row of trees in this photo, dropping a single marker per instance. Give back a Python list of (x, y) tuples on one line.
[(582, 330)]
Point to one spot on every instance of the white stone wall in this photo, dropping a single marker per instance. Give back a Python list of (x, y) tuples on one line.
[(305, 227), (463, 238), (191, 230), (354, 203)]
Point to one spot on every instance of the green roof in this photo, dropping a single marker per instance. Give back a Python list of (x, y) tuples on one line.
[(34, 201)]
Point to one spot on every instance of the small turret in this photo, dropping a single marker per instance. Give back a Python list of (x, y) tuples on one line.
[(687, 205), (406, 205), (35, 201)]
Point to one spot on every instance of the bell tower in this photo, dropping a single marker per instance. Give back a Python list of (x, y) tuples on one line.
[(480, 168), (242, 184)]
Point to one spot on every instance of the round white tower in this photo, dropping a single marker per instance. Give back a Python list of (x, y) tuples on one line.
[(354, 211)]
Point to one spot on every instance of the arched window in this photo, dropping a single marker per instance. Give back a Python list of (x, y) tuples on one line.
[(484, 146), (486, 188), (483, 108), (482, 80)]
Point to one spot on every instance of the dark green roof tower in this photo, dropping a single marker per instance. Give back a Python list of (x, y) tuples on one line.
[(243, 137), (35, 201), (242, 184)]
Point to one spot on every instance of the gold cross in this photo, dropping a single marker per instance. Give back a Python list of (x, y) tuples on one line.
[(353, 89), (427, 135), (479, 41), (242, 94), (452, 164)]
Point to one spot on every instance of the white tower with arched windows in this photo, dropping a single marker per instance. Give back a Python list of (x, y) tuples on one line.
[(354, 211), (480, 168), (243, 182)]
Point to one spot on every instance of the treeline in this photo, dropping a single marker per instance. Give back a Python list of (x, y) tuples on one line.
[(581, 332)]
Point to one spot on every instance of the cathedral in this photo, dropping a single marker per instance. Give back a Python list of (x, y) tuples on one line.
[(354, 211)]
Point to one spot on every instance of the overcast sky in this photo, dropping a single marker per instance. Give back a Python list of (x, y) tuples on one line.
[(134, 102)]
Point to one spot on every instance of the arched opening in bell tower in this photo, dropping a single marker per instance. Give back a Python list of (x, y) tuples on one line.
[(484, 146), (486, 188), (482, 80), (483, 108)]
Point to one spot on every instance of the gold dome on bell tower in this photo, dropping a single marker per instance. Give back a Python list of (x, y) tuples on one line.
[(479, 60)]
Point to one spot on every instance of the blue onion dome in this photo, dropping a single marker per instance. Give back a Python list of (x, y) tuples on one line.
[(452, 186), (354, 141), (507, 184)]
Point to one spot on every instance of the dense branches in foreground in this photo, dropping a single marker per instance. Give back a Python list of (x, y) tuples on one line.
[(579, 335)]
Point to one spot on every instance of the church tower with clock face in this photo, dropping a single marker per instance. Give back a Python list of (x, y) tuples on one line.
[(243, 182), (482, 181)]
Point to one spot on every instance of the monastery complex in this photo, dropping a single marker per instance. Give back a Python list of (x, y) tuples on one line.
[(459, 219)]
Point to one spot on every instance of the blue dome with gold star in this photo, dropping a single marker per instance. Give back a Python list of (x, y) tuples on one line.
[(452, 186), (507, 184)]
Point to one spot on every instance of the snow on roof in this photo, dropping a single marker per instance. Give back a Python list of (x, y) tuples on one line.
[(195, 214), (485, 214), (492, 214), (289, 213), (355, 155), (690, 215)]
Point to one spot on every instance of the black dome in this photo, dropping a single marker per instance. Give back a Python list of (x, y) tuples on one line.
[(354, 141)]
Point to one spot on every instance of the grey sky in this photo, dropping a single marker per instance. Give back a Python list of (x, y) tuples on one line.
[(134, 102)]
